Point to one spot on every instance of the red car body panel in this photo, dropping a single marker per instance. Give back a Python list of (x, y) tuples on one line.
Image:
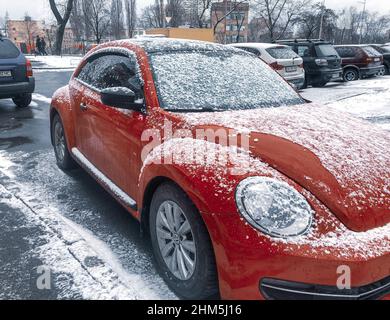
[(111, 140)]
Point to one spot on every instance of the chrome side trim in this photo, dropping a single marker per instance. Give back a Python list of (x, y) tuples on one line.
[(124, 197)]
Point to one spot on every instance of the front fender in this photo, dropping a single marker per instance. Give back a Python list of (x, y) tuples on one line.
[(210, 184)]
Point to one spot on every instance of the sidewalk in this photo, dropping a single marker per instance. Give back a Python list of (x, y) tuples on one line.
[(34, 236)]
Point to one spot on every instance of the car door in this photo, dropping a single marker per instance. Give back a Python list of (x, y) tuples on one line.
[(110, 137)]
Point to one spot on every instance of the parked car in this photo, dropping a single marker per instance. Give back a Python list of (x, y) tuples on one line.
[(321, 62), (16, 75), (385, 52), (246, 190), (281, 58), (360, 61)]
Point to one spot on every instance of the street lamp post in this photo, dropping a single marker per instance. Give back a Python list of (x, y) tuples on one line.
[(361, 20)]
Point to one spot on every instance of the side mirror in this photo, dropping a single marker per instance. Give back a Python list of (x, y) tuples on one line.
[(120, 97)]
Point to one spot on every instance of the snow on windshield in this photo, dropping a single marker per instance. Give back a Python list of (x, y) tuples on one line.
[(219, 80)]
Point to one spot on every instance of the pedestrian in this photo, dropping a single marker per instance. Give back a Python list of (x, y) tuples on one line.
[(38, 45), (43, 46)]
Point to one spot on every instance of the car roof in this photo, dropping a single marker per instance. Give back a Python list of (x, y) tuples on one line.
[(302, 41), (353, 45), (152, 45), (258, 45)]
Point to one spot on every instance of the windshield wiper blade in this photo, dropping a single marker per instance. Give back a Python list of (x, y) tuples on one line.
[(204, 109)]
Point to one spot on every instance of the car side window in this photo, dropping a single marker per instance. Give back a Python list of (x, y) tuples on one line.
[(343, 52), (110, 71), (304, 51)]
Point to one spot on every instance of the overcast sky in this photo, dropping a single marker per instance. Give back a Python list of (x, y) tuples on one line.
[(39, 9)]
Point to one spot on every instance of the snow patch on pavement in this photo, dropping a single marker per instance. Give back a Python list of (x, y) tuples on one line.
[(73, 250), (41, 98), (56, 62)]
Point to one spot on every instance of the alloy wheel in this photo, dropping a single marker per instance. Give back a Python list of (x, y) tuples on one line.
[(175, 240), (59, 141)]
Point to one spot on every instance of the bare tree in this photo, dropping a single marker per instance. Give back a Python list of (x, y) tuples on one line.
[(97, 17), (116, 18), (279, 15), (77, 20), (234, 5), (175, 10), (201, 12), (310, 20), (131, 16), (240, 19), (62, 20), (153, 16)]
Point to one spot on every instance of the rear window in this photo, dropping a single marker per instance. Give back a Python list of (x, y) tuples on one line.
[(326, 50), (386, 49), (8, 50), (282, 53), (371, 52)]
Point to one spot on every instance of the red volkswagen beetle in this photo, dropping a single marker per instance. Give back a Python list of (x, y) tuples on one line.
[(246, 190)]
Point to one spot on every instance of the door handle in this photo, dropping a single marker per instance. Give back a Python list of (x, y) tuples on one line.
[(83, 106)]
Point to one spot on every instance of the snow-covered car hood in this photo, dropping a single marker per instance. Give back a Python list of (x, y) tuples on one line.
[(343, 161)]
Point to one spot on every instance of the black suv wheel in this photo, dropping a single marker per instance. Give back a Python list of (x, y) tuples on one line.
[(23, 100), (351, 75)]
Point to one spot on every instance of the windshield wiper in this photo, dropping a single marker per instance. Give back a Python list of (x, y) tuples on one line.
[(204, 109)]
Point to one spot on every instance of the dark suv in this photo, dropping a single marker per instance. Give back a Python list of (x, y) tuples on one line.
[(16, 76), (360, 61), (385, 51), (320, 60)]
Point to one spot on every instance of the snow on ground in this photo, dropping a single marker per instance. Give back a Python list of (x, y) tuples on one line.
[(54, 62), (367, 99), (102, 264)]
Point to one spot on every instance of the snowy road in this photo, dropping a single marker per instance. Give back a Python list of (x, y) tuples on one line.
[(71, 225)]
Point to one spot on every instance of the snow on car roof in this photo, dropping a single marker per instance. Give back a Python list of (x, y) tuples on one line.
[(257, 45), (151, 45)]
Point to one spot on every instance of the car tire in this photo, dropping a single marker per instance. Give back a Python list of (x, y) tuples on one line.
[(387, 70), (350, 75), (304, 86), (23, 100), (63, 157), (201, 281)]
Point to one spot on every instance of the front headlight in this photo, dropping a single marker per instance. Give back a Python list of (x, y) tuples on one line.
[(273, 207)]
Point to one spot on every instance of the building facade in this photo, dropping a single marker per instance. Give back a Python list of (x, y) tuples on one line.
[(24, 33), (233, 28)]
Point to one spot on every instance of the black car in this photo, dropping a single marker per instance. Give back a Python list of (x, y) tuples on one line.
[(385, 51), (320, 60), (16, 76)]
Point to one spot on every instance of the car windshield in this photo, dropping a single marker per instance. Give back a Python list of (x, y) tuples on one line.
[(217, 81), (371, 51), (282, 53), (326, 50), (8, 50)]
